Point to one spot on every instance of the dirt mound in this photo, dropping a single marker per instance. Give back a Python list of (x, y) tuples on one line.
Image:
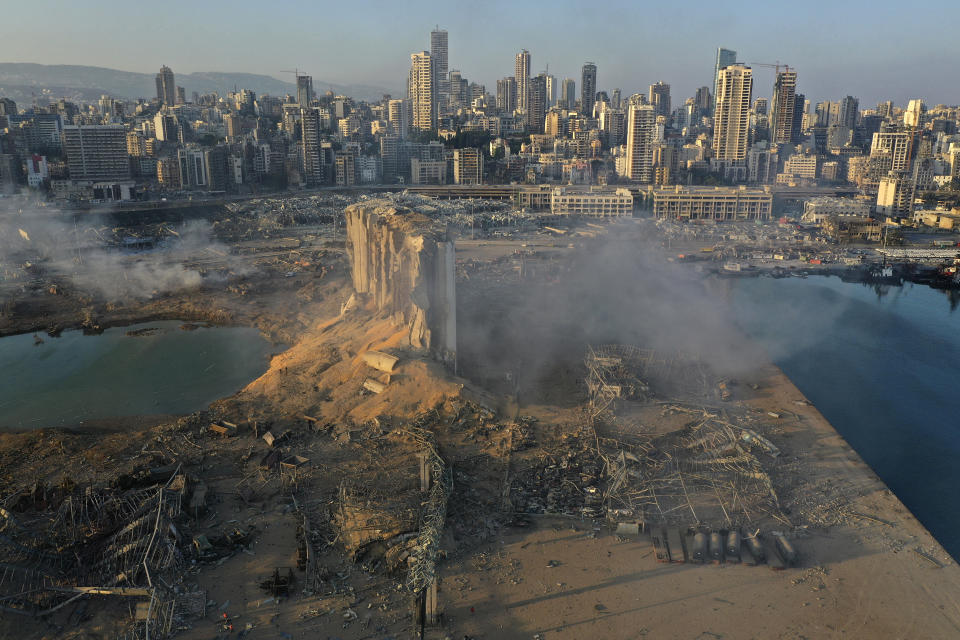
[(324, 373)]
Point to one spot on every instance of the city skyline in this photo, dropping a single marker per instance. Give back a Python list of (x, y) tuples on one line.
[(833, 48)]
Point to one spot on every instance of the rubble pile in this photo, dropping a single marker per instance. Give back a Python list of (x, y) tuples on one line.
[(566, 481)]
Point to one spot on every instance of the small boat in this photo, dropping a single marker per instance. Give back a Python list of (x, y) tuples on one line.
[(37, 340)]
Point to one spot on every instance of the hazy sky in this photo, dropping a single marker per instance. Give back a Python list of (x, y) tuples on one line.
[(874, 50)]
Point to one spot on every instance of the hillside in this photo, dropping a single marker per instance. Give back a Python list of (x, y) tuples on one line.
[(21, 80)]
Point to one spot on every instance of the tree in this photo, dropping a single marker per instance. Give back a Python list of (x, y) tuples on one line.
[(208, 140), (465, 139), (423, 135)]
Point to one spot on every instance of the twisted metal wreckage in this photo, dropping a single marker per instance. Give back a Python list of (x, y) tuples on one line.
[(705, 473), (409, 524), (99, 542)]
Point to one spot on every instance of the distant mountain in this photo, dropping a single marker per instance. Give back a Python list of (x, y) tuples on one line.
[(21, 80)]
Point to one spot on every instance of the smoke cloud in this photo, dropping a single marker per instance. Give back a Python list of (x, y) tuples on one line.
[(114, 262), (619, 289)]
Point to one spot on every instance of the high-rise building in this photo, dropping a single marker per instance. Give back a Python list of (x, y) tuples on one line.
[(398, 117), (507, 94), (588, 88), (166, 87), (760, 106), (660, 98), (537, 108), (304, 91), (849, 112), (703, 101), (439, 54), (390, 158), (215, 161), (613, 122), (731, 115), (826, 113), (231, 122), (522, 75), (783, 107), (725, 58), (555, 123), (615, 100), (895, 146), (799, 111), (914, 113), (166, 128), (641, 128), (551, 90), (96, 152), (422, 92), (568, 93), (895, 195), (457, 90), (312, 154)]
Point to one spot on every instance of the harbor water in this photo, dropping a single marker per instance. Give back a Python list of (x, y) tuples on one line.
[(881, 364), (148, 369)]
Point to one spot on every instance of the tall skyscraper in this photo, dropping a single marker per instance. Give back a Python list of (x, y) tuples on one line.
[(439, 55), (731, 115), (422, 92), (551, 90), (568, 92), (849, 112), (615, 100), (304, 91), (398, 117), (522, 74), (588, 88), (507, 94), (725, 58), (166, 87), (537, 107), (783, 107), (312, 159), (703, 101), (641, 128), (660, 98), (799, 110)]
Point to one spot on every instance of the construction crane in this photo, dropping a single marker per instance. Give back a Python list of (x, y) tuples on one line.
[(775, 65)]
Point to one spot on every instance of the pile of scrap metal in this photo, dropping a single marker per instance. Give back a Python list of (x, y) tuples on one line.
[(704, 474), (611, 377), (104, 542), (621, 371), (437, 480)]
